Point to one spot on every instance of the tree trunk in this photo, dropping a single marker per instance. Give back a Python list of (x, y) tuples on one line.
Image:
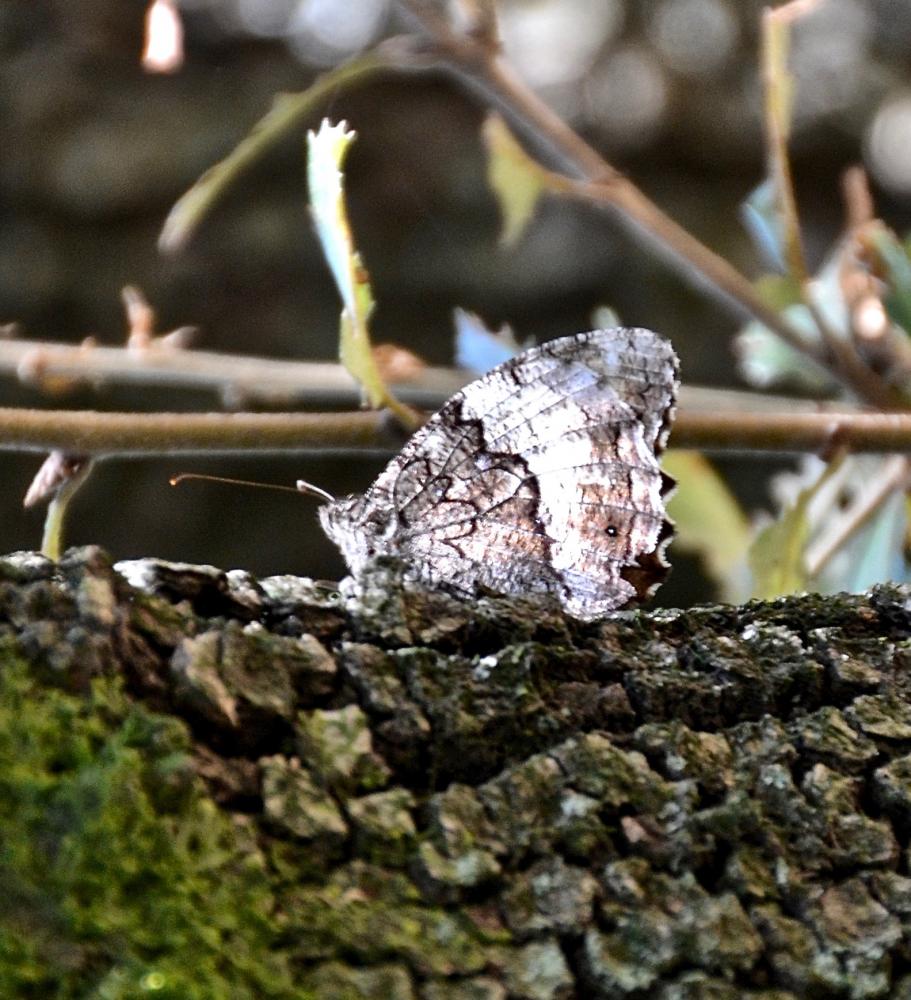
[(218, 787)]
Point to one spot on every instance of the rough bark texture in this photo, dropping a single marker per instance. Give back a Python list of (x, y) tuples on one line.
[(213, 786)]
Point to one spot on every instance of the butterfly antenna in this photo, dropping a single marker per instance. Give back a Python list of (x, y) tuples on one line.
[(315, 491), (301, 487)]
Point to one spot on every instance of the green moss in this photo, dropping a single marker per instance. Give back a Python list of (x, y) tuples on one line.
[(119, 878), (370, 916)]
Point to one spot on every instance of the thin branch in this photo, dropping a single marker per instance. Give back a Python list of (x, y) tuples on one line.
[(287, 112), (240, 380), (245, 381), (501, 88), (859, 376), (784, 433), (619, 193), (132, 434)]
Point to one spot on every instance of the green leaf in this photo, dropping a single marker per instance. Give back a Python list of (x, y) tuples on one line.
[(514, 177), (709, 522), (778, 291), (327, 150), (778, 555)]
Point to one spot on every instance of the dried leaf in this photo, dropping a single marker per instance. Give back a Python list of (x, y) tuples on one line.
[(57, 469), (397, 364), (162, 50), (59, 478)]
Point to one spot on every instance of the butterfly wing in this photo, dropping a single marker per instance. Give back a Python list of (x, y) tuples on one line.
[(539, 477)]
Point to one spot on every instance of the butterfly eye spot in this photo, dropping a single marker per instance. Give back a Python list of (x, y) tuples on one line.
[(611, 531)]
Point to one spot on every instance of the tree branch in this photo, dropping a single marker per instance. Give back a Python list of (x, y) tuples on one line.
[(130, 434), (124, 434)]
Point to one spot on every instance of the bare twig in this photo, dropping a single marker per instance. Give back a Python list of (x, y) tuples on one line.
[(243, 380), (495, 80), (238, 379), (130, 434), (288, 111), (478, 18), (858, 199), (845, 359), (619, 193)]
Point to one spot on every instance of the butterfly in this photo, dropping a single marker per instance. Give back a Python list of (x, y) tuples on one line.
[(541, 477)]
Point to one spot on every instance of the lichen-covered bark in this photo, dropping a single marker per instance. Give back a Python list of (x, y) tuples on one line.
[(219, 787)]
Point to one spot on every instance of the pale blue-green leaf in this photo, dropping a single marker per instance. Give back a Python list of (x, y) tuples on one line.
[(874, 555), (894, 256), (327, 149), (827, 291), (760, 216), (478, 348), (766, 362)]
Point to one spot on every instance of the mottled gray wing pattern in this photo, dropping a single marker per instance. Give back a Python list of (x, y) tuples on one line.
[(540, 477)]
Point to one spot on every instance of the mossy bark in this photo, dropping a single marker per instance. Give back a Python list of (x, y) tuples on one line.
[(213, 786)]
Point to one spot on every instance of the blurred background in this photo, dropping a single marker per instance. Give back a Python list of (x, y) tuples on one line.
[(94, 151)]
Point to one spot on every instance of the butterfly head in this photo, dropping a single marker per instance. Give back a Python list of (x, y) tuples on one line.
[(358, 536)]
